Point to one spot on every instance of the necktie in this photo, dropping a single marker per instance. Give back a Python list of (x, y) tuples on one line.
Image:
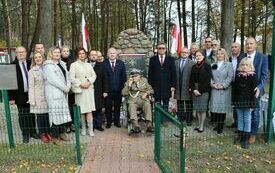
[(113, 66), (161, 60), (181, 64), (26, 72)]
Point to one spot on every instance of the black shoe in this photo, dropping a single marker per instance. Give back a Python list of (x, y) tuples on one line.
[(118, 125), (196, 128), (34, 136), (108, 126), (136, 129), (200, 131), (100, 129), (26, 139), (215, 128), (150, 130)]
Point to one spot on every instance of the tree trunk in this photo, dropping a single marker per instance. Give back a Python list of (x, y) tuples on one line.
[(165, 24), (7, 24), (46, 30), (73, 25), (253, 18), (136, 13), (36, 32), (242, 25), (208, 17), (61, 24), (227, 23), (25, 23), (184, 24), (265, 27), (193, 22)]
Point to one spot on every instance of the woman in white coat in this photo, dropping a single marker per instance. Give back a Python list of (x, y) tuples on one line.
[(37, 98), (57, 86), (220, 101), (83, 76)]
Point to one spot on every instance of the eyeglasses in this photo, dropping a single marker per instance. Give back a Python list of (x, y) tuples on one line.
[(159, 48), (214, 45), (184, 52)]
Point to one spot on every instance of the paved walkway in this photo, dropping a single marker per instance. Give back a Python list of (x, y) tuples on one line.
[(114, 151)]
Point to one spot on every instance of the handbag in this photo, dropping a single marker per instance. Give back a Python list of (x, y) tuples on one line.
[(172, 106)]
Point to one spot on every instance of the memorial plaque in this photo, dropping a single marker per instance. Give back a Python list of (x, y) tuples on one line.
[(8, 78), (137, 61)]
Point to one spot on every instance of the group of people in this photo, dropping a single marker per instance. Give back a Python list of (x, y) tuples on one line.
[(210, 82), (48, 86), (207, 81)]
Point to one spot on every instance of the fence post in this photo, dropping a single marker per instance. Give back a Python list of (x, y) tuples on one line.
[(8, 117), (76, 112), (157, 133), (182, 150)]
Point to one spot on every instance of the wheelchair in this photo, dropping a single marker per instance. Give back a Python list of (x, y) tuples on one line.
[(126, 121)]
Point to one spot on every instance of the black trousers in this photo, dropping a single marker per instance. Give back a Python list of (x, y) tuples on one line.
[(97, 115), (26, 120), (164, 103), (185, 111), (113, 99), (71, 101), (43, 123)]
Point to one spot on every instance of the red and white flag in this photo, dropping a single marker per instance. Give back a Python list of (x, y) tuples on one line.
[(85, 33), (176, 39)]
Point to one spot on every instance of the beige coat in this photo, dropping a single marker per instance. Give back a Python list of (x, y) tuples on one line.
[(79, 73), (37, 98)]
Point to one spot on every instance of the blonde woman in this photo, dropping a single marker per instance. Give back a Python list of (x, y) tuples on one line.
[(57, 86), (220, 100), (245, 99), (83, 76), (37, 98)]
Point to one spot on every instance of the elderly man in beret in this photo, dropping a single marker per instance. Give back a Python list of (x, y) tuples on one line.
[(137, 89)]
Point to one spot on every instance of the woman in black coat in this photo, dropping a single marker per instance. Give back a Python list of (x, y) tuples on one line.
[(200, 87)]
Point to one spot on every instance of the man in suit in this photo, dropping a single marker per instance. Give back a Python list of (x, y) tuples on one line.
[(162, 75), (260, 62), (20, 96), (116, 75), (193, 49), (208, 52), (184, 98), (235, 58), (100, 88)]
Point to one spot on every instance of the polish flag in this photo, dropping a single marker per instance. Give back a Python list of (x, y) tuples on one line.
[(85, 33), (176, 39)]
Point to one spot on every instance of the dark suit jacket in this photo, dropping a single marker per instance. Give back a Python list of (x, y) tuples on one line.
[(19, 96), (117, 78), (100, 84), (162, 78), (261, 68)]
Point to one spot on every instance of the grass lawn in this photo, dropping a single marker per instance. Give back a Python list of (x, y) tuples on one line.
[(218, 154), (33, 158)]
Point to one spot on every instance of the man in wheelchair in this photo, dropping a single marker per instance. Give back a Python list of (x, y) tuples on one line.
[(137, 90)]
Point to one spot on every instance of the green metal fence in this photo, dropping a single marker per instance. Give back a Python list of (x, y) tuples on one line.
[(169, 142), (14, 152)]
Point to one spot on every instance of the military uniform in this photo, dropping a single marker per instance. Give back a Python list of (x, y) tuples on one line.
[(135, 100)]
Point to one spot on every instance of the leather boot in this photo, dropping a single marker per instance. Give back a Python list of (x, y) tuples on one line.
[(238, 137), (245, 143)]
